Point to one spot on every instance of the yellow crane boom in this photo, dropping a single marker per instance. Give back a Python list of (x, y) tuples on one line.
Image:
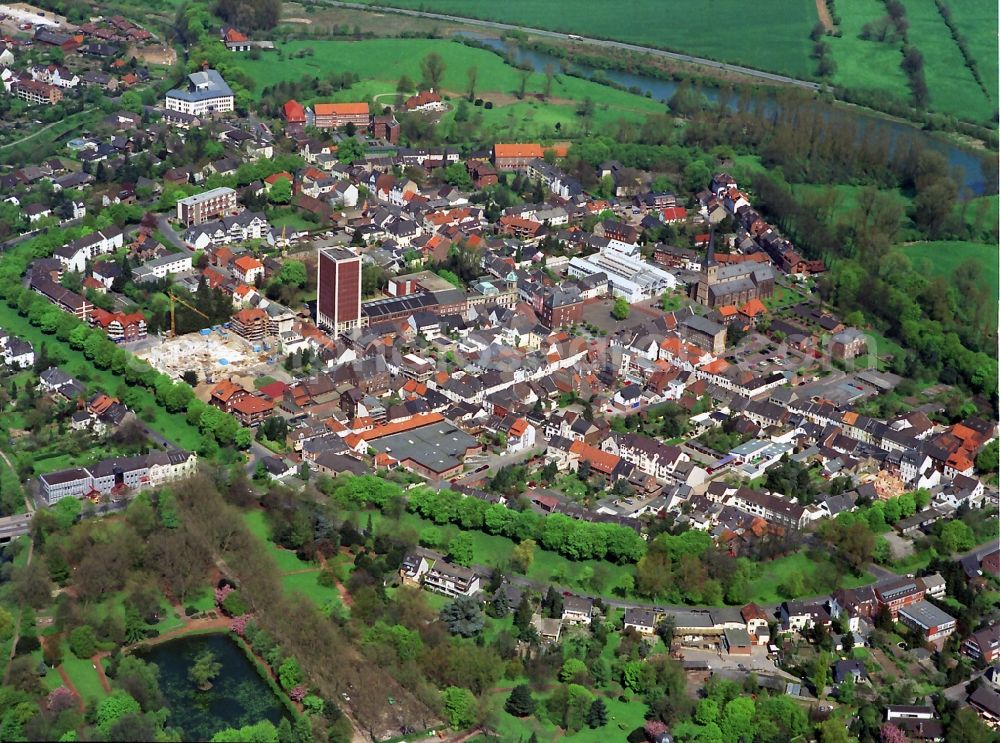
[(173, 318)]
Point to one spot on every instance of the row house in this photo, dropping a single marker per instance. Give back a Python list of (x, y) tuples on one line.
[(769, 507), (63, 298), (229, 229), (54, 74), (75, 254), (648, 455)]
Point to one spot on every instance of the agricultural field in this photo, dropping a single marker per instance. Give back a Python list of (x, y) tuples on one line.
[(977, 22), (779, 40), (943, 257), (716, 31), (952, 87), (861, 64)]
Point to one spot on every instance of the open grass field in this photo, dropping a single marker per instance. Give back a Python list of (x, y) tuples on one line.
[(952, 87), (173, 426), (865, 65), (941, 258), (716, 31)]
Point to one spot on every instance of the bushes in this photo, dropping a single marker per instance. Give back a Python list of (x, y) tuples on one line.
[(83, 641), (235, 605)]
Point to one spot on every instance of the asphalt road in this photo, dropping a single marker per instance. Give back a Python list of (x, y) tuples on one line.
[(14, 526), (171, 234), (675, 56)]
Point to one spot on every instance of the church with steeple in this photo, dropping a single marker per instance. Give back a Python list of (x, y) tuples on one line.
[(731, 282)]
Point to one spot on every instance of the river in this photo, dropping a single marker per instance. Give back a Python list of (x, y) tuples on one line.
[(967, 163)]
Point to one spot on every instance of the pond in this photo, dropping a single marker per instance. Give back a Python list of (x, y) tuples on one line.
[(238, 697)]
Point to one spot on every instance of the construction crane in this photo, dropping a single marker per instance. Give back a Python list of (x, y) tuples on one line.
[(173, 318)]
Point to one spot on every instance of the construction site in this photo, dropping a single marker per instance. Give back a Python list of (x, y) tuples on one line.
[(212, 353)]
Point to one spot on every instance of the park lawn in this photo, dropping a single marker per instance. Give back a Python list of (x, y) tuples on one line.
[(941, 258), (114, 605), (308, 585), (977, 22), (51, 679), (866, 65), (491, 550), (952, 88), (286, 560), (205, 600), (173, 426), (774, 37), (84, 677), (623, 718), (296, 575)]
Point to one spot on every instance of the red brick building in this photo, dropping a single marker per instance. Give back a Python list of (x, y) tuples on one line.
[(385, 127), (338, 289)]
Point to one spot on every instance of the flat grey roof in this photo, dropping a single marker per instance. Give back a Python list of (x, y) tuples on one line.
[(438, 447), (926, 614)]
